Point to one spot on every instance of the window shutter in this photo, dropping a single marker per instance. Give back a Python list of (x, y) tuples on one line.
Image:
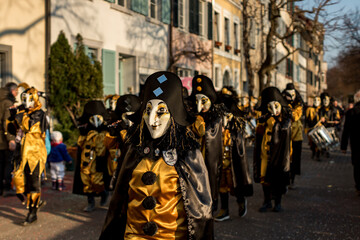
[(165, 11), (110, 1), (175, 13), (140, 6), (191, 16), (108, 67), (210, 21), (298, 73), (196, 17)]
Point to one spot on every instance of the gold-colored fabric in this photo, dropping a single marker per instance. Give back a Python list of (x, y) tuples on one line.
[(198, 127), (226, 182), (311, 113), (296, 125), (19, 180), (168, 214), (110, 142), (92, 145), (265, 147)]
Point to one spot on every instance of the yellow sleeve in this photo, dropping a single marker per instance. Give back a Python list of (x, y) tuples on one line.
[(297, 113), (198, 127), (123, 134), (109, 141), (81, 141)]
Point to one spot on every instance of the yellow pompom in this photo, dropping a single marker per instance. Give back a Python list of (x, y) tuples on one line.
[(198, 80), (199, 88)]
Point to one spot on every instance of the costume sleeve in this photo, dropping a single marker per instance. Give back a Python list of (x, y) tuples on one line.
[(297, 113), (345, 134), (9, 135), (198, 127), (81, 141), (109, 141)]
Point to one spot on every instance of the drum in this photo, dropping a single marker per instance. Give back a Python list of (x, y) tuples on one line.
[(324, 138)]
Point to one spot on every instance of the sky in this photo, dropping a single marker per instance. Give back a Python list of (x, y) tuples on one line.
[(343, 5)]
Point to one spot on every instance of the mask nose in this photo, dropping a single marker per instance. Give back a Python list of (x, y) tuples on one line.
[(153, 119), (199, 106)]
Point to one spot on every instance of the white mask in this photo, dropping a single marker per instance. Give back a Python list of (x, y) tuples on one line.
[(326, 101), (126, 120), (274, 108), (96, 120), (27, 100), (245, 101), (291, 95), (226, 118), (157, 117), (112, 104), (203, 103), (317, 101)]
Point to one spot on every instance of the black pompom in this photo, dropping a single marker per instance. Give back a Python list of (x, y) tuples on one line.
[(148, 178), (150, 228), (149, 202), (87, 154), (87, 146), (85, 164)]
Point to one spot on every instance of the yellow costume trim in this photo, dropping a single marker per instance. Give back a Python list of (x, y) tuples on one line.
[(168, 213)]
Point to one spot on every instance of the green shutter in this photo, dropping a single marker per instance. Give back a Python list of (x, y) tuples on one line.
[(210, 21), (108, 67), (110, 1), (165, 11), (140, 6)]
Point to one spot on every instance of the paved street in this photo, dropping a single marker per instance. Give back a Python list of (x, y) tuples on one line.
[(324, 206)]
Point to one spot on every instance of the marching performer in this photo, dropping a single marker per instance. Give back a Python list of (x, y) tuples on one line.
[(329, 115), (29, 124), (272, 148), (295, 102), (208, 129), (162, 191), (235, 176), (91, 165), (312, 118), (114, 139)]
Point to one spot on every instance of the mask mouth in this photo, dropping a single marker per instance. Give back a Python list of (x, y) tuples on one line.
[(96, 120)]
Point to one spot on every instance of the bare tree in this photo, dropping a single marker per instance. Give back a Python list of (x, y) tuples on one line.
[(309, 23)]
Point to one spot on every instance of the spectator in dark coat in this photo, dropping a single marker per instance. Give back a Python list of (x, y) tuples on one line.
[(7, 141), (352, 131)]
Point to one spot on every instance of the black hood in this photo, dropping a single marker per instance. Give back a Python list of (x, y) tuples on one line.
[(166, 86), (271, 94), (230, 103), (203, 85), (127, 103), (94, 107), (298, 99)]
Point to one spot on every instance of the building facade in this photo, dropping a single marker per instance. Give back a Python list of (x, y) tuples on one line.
[(129, 38), (23, 42)]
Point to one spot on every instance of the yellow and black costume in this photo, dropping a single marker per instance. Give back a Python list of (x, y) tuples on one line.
[(114, 139), (162, 191), (235, 175), (328, 112), (312, 118), (296, 106), (29, 124), (91, 176), (272, 149), (208, 129)]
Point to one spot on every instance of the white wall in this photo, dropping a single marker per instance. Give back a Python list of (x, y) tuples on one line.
[(109, 26)]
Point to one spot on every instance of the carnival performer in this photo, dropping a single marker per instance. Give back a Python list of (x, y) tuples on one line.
[(272, 148), (235, 176), (114, 140), (296, 104), (162, 191), (112, 99), (29, 123), (312, 119), (352, 131), (208, 129), (91, 164), (329, 115)]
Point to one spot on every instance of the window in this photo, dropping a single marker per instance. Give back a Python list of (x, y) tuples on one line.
[(253, 34), (309, 77), (289, 68), (236, 36), (201, 18), (181, 14), (217, 27), (182, 72), (153, 8), (92, 53), (121, 3), (227, 31)]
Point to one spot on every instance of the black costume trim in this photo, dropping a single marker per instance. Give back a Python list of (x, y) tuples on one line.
[(149, 202), (150, 228), (148, 178)]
